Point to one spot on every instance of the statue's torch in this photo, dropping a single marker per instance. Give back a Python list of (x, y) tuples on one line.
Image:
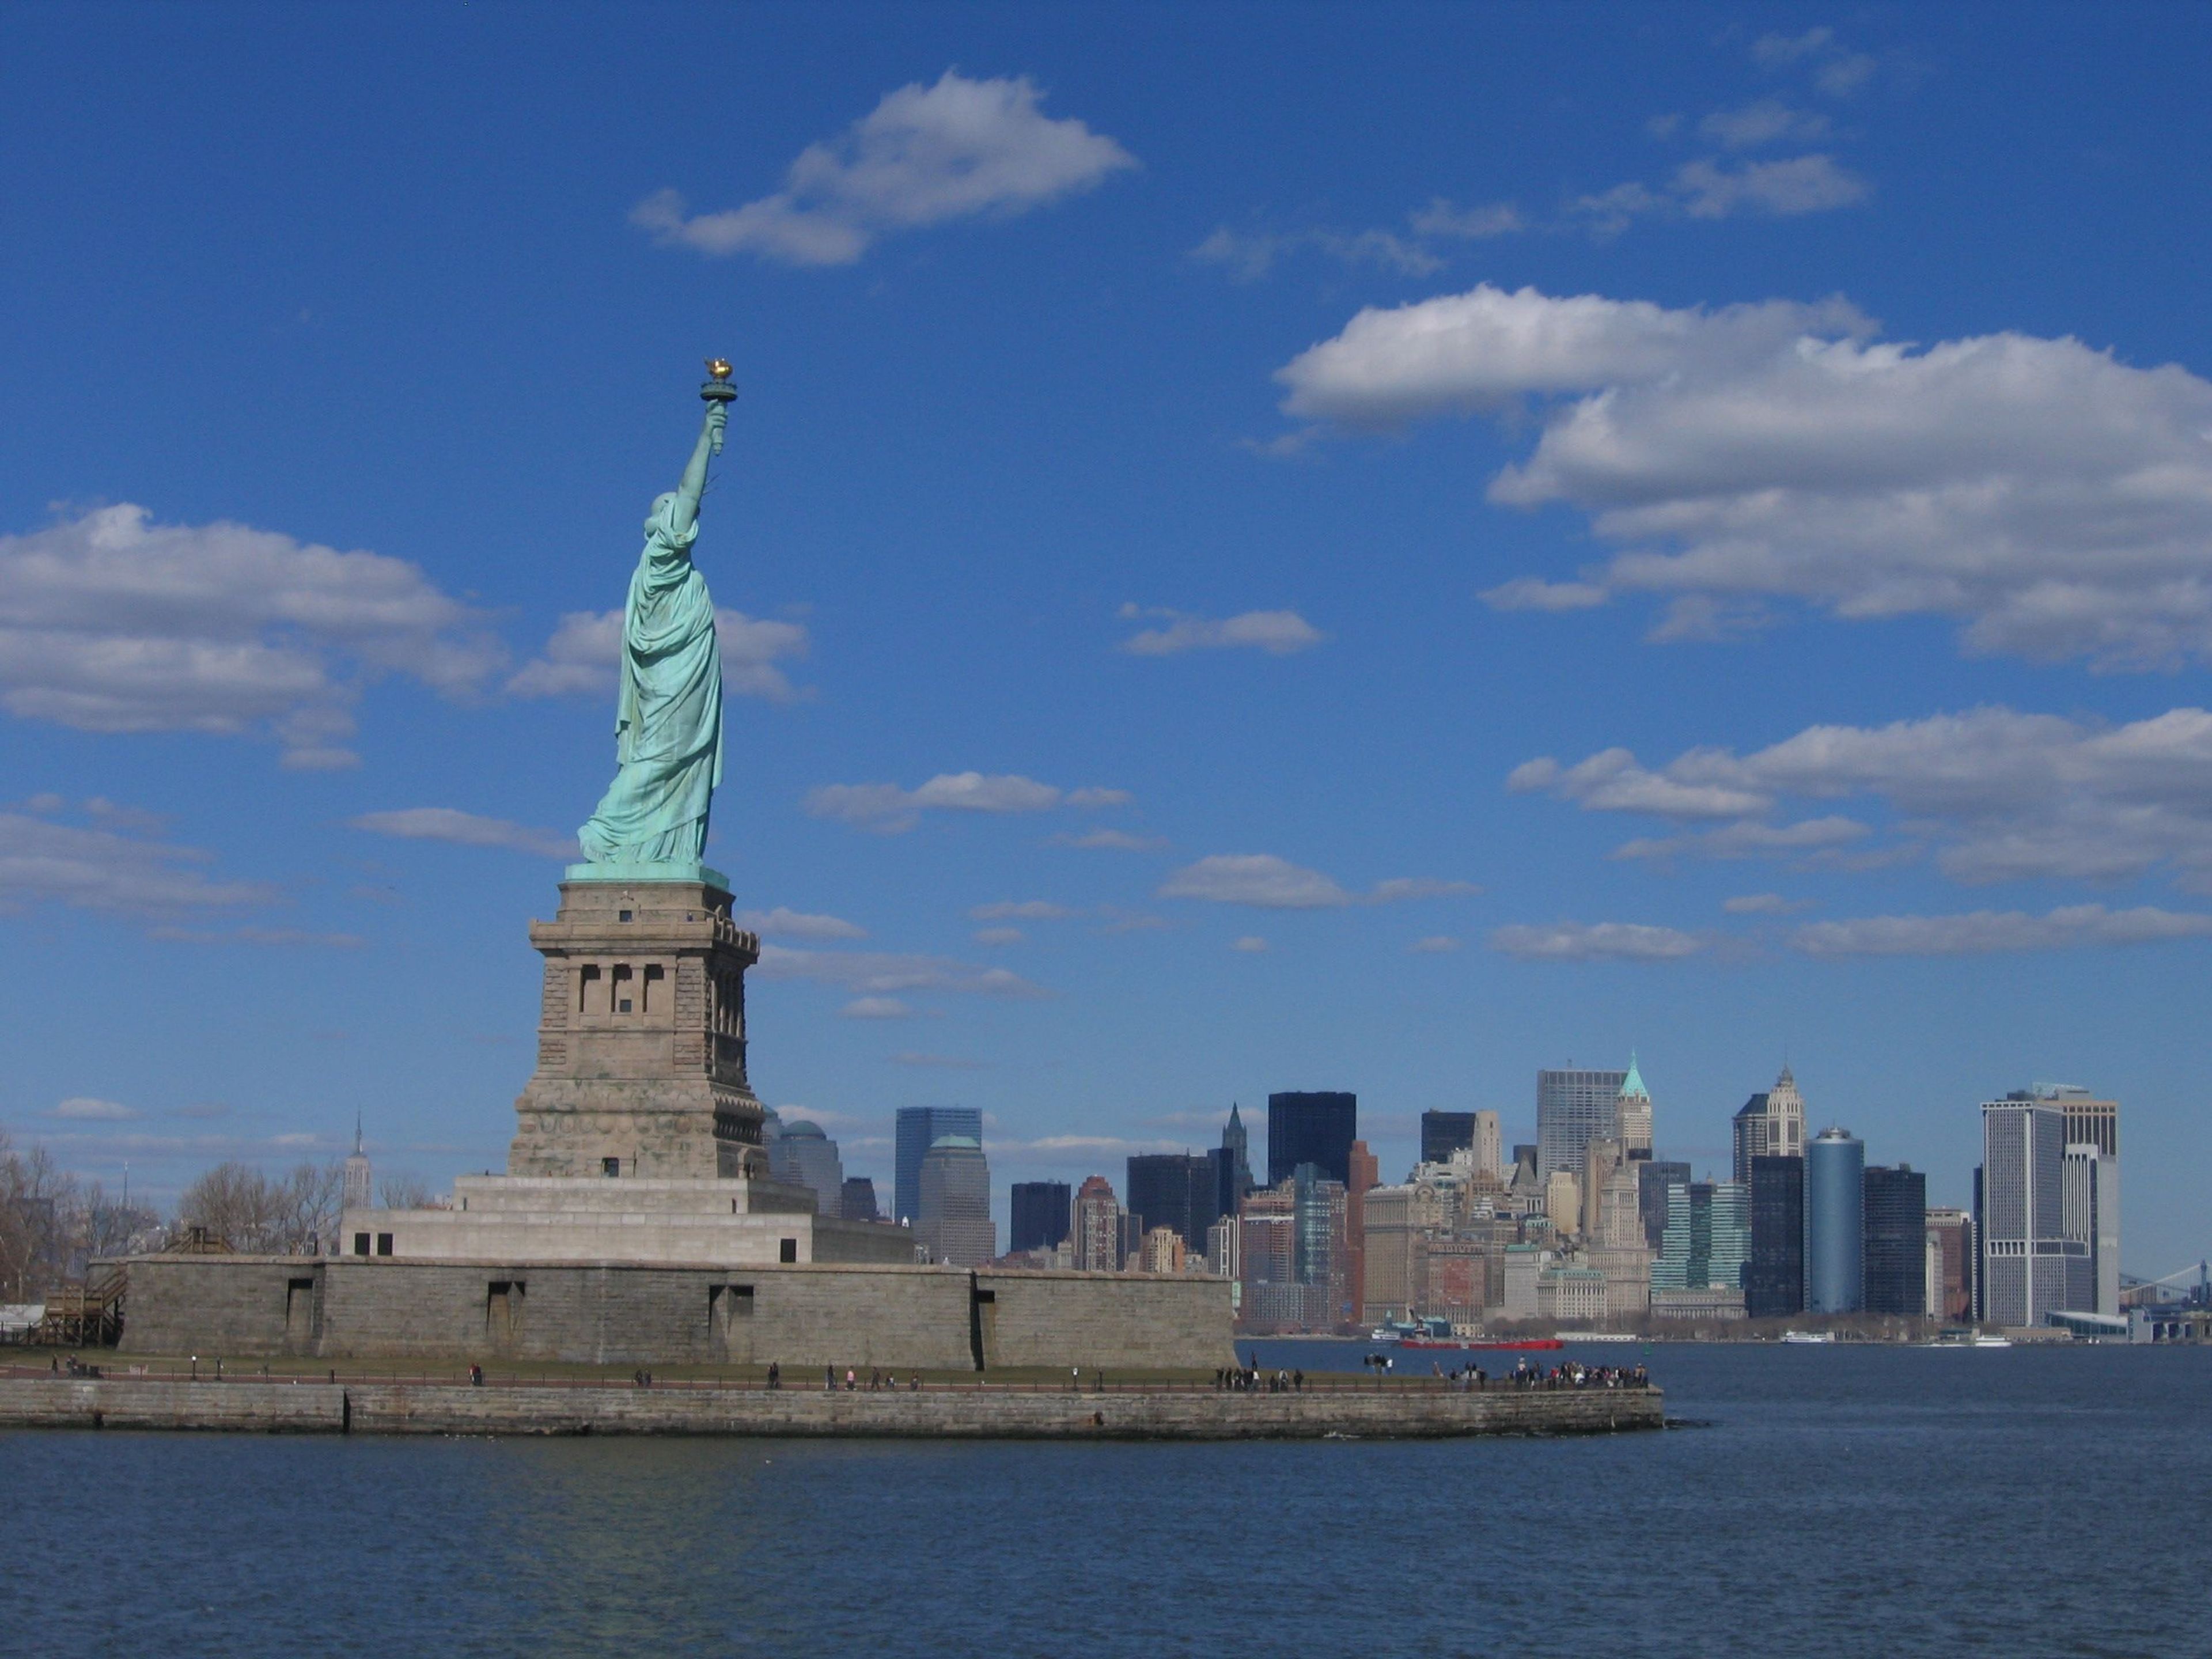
[(718, 389)]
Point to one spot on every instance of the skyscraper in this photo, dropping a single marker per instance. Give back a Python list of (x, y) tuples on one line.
[(857, 1200), (803, 1155), (919, 1128), (1951, 1265), (1174, 1190), (358, 1189), (1771, 1125), (1314, 1126), (1040, 1215), (2029, 1267), (1443, 1134), (1707, 1237), (1653, 1177), (1489, 1145), (2094, 1123), (1098, 1227), (956, 1203), (1835, 1222), (1774, 1284), (1233, 1165), (1896, 1247), (1321, 1243), (1366, 1175), (1573, 1108), (1633, 1108)]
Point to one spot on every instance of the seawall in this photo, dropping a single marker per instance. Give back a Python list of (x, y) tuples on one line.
[(1402, 1411)]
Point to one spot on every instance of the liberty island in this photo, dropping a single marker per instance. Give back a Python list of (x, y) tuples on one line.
[(638, 1221)]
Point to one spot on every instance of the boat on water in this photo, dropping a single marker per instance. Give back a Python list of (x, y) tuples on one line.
[(1808, 1336), (1426, 1333)]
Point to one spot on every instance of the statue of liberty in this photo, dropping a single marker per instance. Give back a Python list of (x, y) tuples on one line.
[(668, 716)]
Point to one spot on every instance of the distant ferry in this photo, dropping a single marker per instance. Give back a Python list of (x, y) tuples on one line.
[(1424, 1333), (1808, 1336)]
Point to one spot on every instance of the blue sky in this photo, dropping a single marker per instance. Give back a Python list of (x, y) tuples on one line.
[(1262, 547)]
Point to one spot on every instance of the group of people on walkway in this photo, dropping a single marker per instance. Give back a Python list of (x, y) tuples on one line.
[(1248, 1379), (1573, 1374), (877, 1379)]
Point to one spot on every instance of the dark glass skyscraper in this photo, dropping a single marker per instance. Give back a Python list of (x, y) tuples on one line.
[(919, 1127), (1774, 1284), (1315, 1128), (1653, 1177), (1443, 1134), (1040, 1215), (1173, 1189), (1896, 1240)]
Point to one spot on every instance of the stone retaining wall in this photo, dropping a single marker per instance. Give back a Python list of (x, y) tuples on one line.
[(1395, 1412), (612, 1314)]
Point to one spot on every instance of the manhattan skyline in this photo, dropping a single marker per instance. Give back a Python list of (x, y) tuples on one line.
[(1458, 543)]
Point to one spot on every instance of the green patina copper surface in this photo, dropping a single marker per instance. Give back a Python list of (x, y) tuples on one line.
[(652, 822)]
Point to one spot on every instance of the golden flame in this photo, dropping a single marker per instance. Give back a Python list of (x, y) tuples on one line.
[(719, 368)]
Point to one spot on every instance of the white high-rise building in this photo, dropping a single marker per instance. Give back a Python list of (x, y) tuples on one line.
[(1489, 1145), (2093, 1127), (1771, 1125), (359, 1192), (2029, 1265)]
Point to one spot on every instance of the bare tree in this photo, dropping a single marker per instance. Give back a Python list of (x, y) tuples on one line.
[(37, 1204), (311, 1194), (109, 1227), (404, 1190), (237, 1203)]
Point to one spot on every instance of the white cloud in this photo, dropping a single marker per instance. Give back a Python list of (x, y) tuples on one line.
[(782, 923), (1019, 910), (1435, 944), (1269, 883), (924, 155), (1803, 184), (876, 1008), (111, 623), (1254, 879), (879, 973), (1278, 633), (1533, 593), (1780, 51), (2056, 501), (2001, 795), (445, 823), (1251, 254), (888, 809), (89, 1107), (1984, 931), (1578, 941), (1468, 224), (997, 936), (1612, 781), (584, 651), (1119, 841), (1765, 121), (1251, 944), (1490, 349), (1402, 888), (95, 869), (1808, 841)]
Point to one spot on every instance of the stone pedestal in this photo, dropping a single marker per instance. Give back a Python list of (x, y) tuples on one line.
[(641, 1036)]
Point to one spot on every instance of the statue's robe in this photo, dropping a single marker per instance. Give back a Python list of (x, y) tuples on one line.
[(668, 720)]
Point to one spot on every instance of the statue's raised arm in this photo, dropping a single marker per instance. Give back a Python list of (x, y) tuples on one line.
[(686, 515)]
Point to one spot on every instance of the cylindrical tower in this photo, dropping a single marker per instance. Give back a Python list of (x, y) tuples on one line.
[(1835, 1222)]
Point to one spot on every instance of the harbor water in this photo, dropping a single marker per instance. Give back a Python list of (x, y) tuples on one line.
[(1828, 1500)]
